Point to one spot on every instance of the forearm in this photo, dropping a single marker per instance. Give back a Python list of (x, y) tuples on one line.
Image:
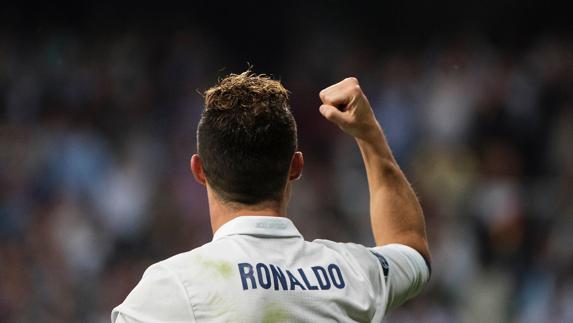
[(395, 213)]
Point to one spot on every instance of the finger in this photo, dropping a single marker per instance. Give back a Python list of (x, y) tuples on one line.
[(340, 93), (332, 114), (333, 88), (349, 81)]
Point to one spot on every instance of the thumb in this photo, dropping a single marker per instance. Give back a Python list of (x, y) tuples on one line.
[(332, 114)]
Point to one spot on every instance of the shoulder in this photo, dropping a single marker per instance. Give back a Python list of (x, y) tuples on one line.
[(159, 296), (355, 257), (196, 258), (345, 249), (337, 245), (212, 264), (163, 294), (350, 251)]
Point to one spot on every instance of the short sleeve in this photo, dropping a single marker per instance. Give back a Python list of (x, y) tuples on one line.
[(405, 272), (158, 297)]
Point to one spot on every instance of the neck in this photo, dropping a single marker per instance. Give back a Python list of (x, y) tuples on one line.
[(222, 212)]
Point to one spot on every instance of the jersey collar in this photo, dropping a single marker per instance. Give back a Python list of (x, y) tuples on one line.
[(261, 226)]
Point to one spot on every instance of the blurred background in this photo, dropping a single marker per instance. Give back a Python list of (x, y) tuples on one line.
[(98, 111)]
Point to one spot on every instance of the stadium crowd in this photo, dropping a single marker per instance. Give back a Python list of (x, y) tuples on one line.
[(96, 133)]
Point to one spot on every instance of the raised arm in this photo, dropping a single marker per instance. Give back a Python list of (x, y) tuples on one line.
[(395, 213)]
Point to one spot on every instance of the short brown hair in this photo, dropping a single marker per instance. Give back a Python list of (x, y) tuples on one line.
[(246, 138)]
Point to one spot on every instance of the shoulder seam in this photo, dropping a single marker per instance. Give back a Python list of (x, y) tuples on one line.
[(383, 282)]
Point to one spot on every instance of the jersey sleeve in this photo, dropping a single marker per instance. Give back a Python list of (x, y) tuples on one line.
[(404, 271), (158, 297)]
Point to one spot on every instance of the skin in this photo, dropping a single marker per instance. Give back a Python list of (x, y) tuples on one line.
[(395, 212), (222, 211)]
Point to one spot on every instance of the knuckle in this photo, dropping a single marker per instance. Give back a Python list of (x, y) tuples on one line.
[(352, 80), (356, 90)]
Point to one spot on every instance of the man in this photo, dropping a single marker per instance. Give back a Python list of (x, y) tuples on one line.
[(258, 268)]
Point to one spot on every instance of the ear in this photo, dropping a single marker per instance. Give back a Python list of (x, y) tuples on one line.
[(197, 169), (296, 166)]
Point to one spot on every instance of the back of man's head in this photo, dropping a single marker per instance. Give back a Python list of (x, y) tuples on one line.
[(246, 138)]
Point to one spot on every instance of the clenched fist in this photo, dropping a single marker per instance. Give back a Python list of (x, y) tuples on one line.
[(345, 105)]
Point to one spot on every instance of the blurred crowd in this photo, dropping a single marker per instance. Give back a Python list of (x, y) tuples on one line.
[(96, 133)]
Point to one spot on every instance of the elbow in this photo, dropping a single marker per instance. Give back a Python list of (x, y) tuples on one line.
[(421, 246), (418, 242), (425, 253)]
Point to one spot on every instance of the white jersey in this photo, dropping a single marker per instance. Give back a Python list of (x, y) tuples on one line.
[(260, 269)]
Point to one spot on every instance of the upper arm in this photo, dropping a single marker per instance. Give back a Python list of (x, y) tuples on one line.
[(395, 272), (158, 297), (405, 272)]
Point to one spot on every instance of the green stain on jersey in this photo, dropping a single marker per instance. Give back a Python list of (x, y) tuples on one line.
[(220, 267), (274, 314)]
